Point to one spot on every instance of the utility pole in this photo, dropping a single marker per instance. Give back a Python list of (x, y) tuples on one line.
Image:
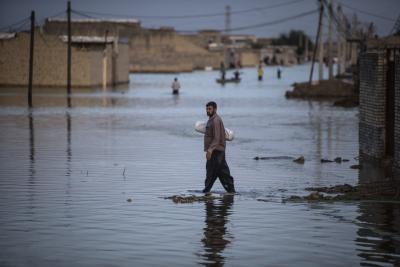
[(228, 20), (32, 43), (306, 48), (114, 57), (339, 41), (321, 47), (229, 54), (354, 45), (105, 61), (69, 55), (300, 46), (330, 44), (317, 40), (344, 43)]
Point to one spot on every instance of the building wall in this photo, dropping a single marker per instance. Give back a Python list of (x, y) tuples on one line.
[(396, 161), (372, 105), (50, 62), (122, 65), (250, 58), (202, 39), (165, 51), (379, 174), (96, 66), (97, 28)]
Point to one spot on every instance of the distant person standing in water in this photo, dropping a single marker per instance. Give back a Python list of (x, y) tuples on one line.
[(278, 73), (237, 74), (175, 86), (223, 71), (214, 146), (260, 72)]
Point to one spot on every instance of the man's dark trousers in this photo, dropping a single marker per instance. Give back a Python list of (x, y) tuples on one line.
[(217, 167)]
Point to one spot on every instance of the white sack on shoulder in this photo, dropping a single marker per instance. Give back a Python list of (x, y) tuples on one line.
[(200, 126)]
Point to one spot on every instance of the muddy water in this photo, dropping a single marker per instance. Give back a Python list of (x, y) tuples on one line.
[(66, 175)]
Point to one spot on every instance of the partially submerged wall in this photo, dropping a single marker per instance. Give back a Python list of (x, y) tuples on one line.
[(396, 161), (50, 62), (249, 58), (372, 105), (379, 126)]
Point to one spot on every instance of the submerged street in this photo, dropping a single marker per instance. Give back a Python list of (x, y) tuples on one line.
[(66, 175)]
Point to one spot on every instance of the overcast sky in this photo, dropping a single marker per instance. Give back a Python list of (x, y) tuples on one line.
[(258, 12)]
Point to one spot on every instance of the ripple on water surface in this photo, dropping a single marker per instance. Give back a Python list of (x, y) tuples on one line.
[(66, 175)]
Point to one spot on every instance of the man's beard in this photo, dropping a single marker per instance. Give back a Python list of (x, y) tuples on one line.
[(209, 114)]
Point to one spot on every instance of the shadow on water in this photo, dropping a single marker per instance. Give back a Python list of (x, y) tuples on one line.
[(378, 240), (216, 235)]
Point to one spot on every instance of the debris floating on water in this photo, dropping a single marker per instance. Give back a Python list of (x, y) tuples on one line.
[(343, 192), (357, 167), (337, 160), (337, 189), (299, 160), (272, 158), (192, 198)]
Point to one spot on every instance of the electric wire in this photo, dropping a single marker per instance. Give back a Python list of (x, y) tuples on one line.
[(194, 15), (367, 13)]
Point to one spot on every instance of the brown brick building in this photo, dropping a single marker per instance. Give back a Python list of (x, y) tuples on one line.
[(93, 59), (379, 126)]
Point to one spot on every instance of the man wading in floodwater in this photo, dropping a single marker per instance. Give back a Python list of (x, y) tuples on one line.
[(214, 145)]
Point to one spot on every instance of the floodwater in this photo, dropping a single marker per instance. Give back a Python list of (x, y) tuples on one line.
[(66, 175)]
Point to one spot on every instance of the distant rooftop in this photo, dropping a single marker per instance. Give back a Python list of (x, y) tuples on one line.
[(6, 35), (88, 39), (90, 20)]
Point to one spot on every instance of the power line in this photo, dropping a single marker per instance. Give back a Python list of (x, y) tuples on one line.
[(339, 28), (20, 28), (368, 13), (15, 24), (267, 7), (276, 21), (63, 12), (40, 35), (342, 29), (82, 14), (264, 24), (194, 15)]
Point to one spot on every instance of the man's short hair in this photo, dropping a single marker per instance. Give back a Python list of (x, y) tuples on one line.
[(212, 104)]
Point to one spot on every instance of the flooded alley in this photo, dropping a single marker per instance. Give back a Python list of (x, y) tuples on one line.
[(66, 175)]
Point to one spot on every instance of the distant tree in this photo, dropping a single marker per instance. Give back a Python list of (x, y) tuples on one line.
[(295, 38)]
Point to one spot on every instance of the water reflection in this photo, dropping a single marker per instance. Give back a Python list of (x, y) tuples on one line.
[(40, 206), (378, 240), (215, 232), (69, 153), (32, 156), (69, 100), (31, 146), (176, 99)]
